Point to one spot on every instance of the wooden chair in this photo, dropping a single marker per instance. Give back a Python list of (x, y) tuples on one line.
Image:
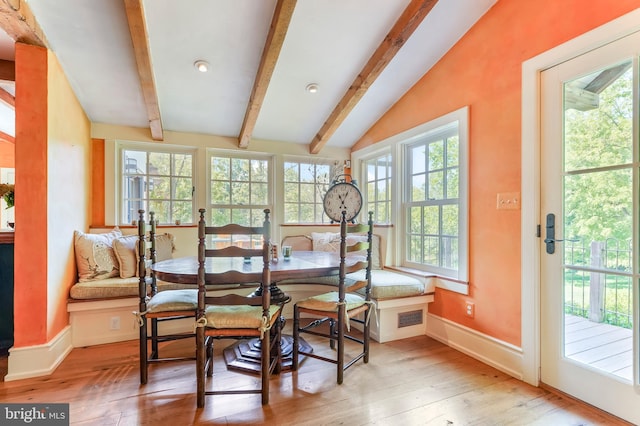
[(340, 308), (157, 307), (232, 315)]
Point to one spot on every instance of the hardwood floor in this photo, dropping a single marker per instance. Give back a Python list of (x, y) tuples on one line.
[(416, 381)]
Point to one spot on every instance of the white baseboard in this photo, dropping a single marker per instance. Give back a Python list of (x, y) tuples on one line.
[(496, 353), (39, 360)]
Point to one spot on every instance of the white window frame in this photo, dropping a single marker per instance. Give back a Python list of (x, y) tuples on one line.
[(211, 153), (146, 148), (396, 145), (366, 179), (318, 205)]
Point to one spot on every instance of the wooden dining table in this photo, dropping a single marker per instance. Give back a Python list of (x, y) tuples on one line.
[(301, 264), (245, 355)]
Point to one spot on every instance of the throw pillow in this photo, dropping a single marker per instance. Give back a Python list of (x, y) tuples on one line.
[(326, 241), (125, 250), (95, 258)]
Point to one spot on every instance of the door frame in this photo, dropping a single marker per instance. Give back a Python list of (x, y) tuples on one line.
[(530, 172)]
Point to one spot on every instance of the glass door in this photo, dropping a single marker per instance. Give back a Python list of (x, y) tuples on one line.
[(589, 227)]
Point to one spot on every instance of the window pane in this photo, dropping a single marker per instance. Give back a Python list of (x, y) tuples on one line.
[(239, 169), (453, 182), (453, 151), (436, 155), (241, 216), (431, 251), (183, 188), (450, 220), (159, 163), (418, 159), (240, 193), (259, 171), (436, 185), (415, 220), (291, 193), (182, 165), (159, 187), (220, 168), (291, 213), (220, 216), (161, 209), (181, 211), (431, 220), (220, 193), (418, 192), (260, 193), (307, 213)]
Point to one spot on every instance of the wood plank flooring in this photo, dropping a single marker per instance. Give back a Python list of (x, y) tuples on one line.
[(416, 381), (603, 346)]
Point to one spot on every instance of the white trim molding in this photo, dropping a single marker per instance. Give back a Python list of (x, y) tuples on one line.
[(491, 351), (39, 360)]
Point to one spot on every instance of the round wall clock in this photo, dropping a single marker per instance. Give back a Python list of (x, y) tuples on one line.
[(342, 196)]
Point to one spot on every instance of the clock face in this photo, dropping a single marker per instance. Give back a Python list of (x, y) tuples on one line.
[(342, 197)]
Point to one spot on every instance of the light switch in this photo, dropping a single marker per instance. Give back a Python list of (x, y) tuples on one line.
[(508, 201)]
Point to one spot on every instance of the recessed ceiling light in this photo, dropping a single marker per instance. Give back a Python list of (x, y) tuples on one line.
[(312, 88), (202, 66)]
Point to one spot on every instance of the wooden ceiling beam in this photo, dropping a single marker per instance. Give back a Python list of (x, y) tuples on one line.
[(7, 137), (17, 20), (7, 71), (7, 98), (404, 27), (138, 30), (277, 32)]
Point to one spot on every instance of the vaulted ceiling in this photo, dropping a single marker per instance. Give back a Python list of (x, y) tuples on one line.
[(131, 62)]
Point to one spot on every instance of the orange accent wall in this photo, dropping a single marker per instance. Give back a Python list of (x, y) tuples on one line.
[(483, 70), (7, 154), (30, 277), (97, 182)]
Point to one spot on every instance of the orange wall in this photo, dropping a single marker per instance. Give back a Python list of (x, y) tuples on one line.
[(7, 155), (483, 71), (30, 277)]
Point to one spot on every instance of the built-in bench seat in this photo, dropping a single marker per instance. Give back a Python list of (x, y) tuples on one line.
[(101, 310)]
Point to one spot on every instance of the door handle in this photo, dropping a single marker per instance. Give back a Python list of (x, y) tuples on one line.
[(550, 239)]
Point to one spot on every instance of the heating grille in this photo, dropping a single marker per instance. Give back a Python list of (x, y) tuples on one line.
[(406, 319)]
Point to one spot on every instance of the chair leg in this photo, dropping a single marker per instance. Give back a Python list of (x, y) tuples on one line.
[(296, 337), (200, 361), (209, 358), (154, 338), (332, 332), (143, 351), (266, 362), (340, 354), (367, 334)]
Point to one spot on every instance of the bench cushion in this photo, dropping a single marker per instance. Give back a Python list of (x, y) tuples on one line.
[(125, 287), (389, 284)]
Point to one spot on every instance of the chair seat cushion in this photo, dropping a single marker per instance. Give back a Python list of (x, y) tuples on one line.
[(328, 302), (240, 316), (389, 285), (173, 300)]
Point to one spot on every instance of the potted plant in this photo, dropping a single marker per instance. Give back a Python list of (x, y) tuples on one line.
[(7, 192)]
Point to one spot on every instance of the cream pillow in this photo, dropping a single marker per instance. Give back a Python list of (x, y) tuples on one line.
[(326, 241), (95, 258), (164, 247), (125, 250)]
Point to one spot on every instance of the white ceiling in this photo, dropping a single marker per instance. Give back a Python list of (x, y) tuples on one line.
[(328, 42)]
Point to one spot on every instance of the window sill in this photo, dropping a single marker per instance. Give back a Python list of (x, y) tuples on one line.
[(444, 283)]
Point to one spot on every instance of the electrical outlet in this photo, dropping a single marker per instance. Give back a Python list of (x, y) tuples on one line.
[(115, 323), (469, 309)]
